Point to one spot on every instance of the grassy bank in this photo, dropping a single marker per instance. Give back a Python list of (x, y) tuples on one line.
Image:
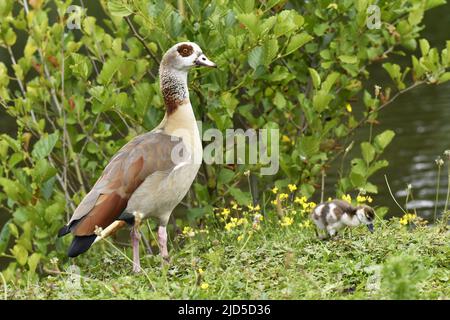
[(395, 262)]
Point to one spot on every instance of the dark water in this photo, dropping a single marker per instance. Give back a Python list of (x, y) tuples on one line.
[(421, 121), (420, 118)]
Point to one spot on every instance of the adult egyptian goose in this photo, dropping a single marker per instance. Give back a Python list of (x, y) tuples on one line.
[(152, 173)]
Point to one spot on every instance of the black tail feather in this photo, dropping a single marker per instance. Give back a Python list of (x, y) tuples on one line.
[(63, 231), (80, 244)]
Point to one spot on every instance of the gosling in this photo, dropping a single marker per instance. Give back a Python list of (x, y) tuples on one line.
[(337, 214)]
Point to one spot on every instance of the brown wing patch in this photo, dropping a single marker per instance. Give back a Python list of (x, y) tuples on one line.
[(185, 50), (138, 159), (102, 215)]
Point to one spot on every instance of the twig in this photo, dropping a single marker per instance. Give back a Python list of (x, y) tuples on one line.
[(393, 198), (437, 192), (448, 185), (141, 39), (322, 191), (21, 86)]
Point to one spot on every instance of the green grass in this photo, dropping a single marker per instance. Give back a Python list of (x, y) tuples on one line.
[(274, 263)]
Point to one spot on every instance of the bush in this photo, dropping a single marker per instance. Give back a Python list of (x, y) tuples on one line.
[(294, 66)]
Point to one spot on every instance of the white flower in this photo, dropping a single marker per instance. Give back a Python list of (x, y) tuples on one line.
[(439, 161)]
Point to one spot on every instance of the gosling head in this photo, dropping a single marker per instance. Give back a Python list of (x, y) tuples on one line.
[(366, 215), (185, 55)]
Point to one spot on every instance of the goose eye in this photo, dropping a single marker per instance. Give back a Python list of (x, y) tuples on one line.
[(185, 50)]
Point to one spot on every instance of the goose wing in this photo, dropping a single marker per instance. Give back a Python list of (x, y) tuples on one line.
[(139, 158)]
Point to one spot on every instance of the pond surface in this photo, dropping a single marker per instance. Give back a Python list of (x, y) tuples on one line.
[(421, 121)]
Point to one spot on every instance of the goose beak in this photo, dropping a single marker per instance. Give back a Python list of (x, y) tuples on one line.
[(370, 227), (202, 60)]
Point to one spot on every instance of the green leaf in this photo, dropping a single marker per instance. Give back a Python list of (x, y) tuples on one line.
[(383, 139), (5, 235), (11, 188), (424, 46), (377, 166), (20, 253), (370, 188), (270, 50), (43, 171), (279, 100), (110, 68), (13, 229), (368, 152), (225, 176), (288, 21), (241, 197), (359, 167), (444, 77), (348, 59), (250, 20), (357, 179), (321, 101), (298, 41), (395, 73), (256, 57), (196, 213), (10, 37), (330, 81), (308, 146), (33, 261), (45, 145), (119, 8), (415, 16), (315, 77)]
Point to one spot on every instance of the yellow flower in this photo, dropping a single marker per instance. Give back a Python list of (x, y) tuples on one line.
[(235, 206), (286, 221), (347, 198), (332, 6), (188, 231), (305, 224), (242, 221), (252, 208), (369, 199), (225, 212), (407, 218), (229, 226), (301, 200), (348, 106), (275, 190), (311, 205), (240, 238), (284, 196), (292, 187), (200, 271), (274, 202), (285, 138), (361, 199), (204, 286)]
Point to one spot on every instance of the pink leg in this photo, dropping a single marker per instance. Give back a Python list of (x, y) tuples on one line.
[(135, 236), (162, 240)]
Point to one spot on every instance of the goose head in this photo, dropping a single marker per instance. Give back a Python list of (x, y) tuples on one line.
[(366, 215), (184, 56)]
